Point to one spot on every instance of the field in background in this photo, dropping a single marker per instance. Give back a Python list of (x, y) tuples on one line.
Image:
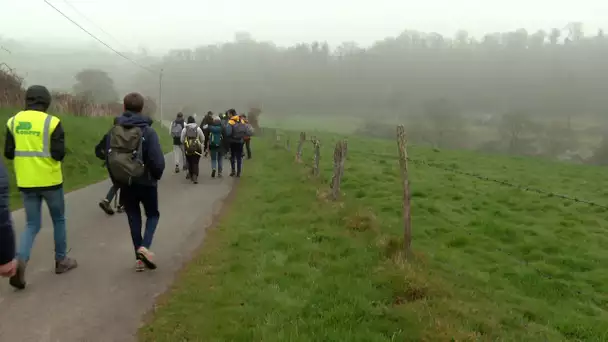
[(80, 167), (492, 262)]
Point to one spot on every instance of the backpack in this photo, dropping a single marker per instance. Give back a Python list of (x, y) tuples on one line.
[(176, 129), (215, 139), (125, 158), (192, 143), (239, 131)]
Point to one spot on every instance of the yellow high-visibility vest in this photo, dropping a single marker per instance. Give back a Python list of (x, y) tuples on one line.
[(34, 167)]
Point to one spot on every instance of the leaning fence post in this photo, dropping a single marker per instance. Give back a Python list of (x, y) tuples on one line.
[(407, 214), (317, 157), (335, 183), (300, 147)]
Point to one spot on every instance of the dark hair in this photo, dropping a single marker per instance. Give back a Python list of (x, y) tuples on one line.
[(134, 102), (232, 112), (209, 113), (180, 115), (191, 119)]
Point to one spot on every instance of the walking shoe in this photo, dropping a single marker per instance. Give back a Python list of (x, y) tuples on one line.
[(139, 266), (105, 206), (195, 179), (213, 173), (64, 265), (238, 175), (176, 168), (147, 257), (120, 209), (232, 174), (18, 280)]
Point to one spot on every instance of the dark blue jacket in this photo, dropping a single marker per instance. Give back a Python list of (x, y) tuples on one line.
[(7, 235), (153, 156)]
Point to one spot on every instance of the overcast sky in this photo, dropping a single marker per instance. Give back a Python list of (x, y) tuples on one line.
[(163, 24)]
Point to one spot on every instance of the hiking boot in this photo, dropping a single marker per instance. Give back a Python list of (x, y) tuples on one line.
[(105, 206), (139, 266), (146, 257), (238, 175), (213, 173), (18, 280), (120, 209), (64, 265), (195, 179), (232, 173), (176, 168)]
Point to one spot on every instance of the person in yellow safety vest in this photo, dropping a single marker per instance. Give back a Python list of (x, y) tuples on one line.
[(35, 142)]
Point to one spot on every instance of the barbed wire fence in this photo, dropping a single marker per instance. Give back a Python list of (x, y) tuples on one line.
[(340, 159)]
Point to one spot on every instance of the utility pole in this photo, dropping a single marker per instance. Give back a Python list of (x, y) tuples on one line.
[(160, 94)]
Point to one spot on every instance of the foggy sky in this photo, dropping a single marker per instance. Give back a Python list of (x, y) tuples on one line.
[(163, 24)]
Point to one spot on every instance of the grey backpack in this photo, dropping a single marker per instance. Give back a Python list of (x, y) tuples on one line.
[(125, 156)]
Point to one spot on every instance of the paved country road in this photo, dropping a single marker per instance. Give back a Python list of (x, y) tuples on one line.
[(104, 299)]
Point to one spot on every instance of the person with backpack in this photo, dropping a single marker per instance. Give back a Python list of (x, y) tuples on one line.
[(236, 131), (207, 120), (216, 138), (136, 163), (192, 138), (35, 142), (177, 126), (247, 138), (105, 204)]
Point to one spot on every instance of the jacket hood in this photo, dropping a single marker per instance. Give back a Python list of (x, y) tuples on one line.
[(192, 125), (37, 98), (134, 119)]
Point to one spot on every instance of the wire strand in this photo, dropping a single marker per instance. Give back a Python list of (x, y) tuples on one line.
[(99, 40)]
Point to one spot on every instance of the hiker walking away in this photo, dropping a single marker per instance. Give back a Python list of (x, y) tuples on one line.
[(192, 138), (136, 163), (8, 264), (35, 141), (178, 149), (207, 120), (247, 138), (225, 142), (106, 203), (236, 131), (216, 138)]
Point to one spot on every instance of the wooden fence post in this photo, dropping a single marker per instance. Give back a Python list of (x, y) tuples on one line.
[(317, 157), (288, 143), (343, 156), (300, 147), (407, 214), (335, 182)]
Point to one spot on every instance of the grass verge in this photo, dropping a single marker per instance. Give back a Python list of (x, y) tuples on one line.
[(80, 167), (492, 263)]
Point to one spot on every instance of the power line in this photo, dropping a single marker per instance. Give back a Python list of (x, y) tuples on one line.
[(99, 40), (5, 49), (94, 24)]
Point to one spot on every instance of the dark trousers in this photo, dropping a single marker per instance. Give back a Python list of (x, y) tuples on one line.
[(206, 144), (132, 196), (114, 191), (248, 146), (236, 157), (193, 161)]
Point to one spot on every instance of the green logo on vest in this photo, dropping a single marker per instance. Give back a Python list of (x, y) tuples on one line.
[(25, 128)]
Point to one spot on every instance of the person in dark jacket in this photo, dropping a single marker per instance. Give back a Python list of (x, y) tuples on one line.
[(8, 263), (143, 190), (207, 120), (105, 204)]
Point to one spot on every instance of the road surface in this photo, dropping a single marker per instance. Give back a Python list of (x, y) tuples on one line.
[(104, 299)]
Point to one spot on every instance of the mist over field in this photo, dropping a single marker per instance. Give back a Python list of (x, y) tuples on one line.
[(506, 84)]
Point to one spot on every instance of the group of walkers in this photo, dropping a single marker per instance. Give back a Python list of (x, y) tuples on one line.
[(35, 141), (217, 136)]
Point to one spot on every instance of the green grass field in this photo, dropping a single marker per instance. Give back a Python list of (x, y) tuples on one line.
[(80, 167), (492, 263)]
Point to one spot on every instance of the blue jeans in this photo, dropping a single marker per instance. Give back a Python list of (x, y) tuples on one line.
[(216, 158), (32, 203), (131, 197)]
